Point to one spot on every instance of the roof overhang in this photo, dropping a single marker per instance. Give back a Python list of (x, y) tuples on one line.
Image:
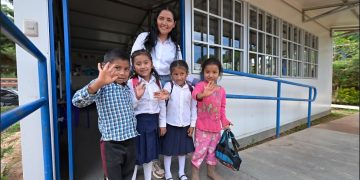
[(333, 15)]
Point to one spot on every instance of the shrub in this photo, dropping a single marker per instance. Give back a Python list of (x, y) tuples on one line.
[(348, 96)]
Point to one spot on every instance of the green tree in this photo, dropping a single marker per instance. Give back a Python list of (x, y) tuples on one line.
[(7, 48), (346, 69)]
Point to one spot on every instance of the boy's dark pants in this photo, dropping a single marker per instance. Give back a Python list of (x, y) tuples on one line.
[(118, 158)]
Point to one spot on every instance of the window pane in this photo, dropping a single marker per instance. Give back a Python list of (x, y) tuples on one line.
[(289, 66), (214, 36), (227, 59), (238, 60), (261, 42), (214, 6), (299, 52), (285, 31), (252, 63), (253, 41), (284, 67), (299, 69), (275, 46), (313, 42), (275, 26), (289, 50), (261, 63), (268, 64), (313, 56), (295, 52), (268, 44), (200, 54), (200, 27), (261, 21), (306, 52), (295, 34), (274, 66), (289, 32), (284, 49), (253, 18), (227, 34), (268, 24), (294, 69), (306, 39), (227, 10), (200, 4), (238, 37), (238, 12), (214, 52), (312, 71)]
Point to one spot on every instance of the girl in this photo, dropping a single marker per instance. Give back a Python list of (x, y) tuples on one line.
[(180, 119), (211, 118), (149, 108), (161, 42)]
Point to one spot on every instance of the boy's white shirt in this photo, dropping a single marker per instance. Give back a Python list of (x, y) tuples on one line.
[(181, 108), (147, 103)]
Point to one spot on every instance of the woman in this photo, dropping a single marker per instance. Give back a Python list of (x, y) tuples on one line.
[(161, 42)]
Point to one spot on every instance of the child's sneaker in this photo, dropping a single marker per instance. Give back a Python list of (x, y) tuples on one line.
[(157, 171)]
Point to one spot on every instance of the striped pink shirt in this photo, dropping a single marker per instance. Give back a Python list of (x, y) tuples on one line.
[(211, 109)]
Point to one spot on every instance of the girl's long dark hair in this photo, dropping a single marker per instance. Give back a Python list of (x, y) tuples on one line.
[(152, 37), (146, 53)]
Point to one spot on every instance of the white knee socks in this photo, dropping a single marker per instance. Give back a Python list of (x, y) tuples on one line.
[(181, 165), (147, 170), (167, 167), (135, 173)]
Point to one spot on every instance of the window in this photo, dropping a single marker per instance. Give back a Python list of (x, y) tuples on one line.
[(291, 48), (218, 32), (310, 59), (263, 43)]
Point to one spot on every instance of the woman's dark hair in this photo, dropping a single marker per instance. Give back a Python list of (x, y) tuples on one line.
[(116, 54), (211, 61), (152, 37), (179, 63), (146, 53)]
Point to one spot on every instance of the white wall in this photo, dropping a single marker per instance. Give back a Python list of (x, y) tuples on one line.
[(254, 116), (28, 85)]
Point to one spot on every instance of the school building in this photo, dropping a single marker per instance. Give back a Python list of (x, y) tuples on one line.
[(277, 55)]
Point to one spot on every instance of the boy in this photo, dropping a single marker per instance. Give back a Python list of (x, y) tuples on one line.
[(117, 123)]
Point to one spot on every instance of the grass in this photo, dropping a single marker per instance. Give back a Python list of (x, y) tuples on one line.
[(335, 114)]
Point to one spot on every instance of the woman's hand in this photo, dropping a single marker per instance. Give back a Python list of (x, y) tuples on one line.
[(190, 131), (162, 131), (162, 94)]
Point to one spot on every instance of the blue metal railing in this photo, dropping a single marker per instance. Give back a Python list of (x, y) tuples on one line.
[(278, 97), (9, 29)]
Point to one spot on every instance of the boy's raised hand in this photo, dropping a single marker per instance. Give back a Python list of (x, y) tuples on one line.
[(106, 73)]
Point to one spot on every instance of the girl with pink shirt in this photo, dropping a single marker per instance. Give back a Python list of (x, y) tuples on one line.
[(211, 118)]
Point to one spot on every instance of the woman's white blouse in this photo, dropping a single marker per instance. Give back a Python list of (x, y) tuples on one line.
[(147, 103), (181, 107), (163, 53)]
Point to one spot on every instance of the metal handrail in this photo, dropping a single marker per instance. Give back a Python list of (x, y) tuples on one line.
[(278, 98), (9, 29)]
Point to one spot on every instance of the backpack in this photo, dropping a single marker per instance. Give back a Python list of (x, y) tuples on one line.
[(228, 154), (172, 86)]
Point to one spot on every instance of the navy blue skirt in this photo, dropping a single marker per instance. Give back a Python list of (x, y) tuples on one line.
[(176, 142), (147, 143)]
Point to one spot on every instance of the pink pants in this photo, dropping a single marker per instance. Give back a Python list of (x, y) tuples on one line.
[(205, 144)]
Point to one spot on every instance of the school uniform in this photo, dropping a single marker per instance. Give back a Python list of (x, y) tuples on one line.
[(117, 125), (150, 113), (180, 115)]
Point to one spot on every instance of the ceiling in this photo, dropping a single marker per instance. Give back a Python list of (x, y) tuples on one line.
[(99, 25)]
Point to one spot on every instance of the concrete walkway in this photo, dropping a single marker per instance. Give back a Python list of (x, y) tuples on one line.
[(344, 106), (324, 152)]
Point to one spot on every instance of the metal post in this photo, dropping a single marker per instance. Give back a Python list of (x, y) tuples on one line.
[(309, 108), (68, 87), (183, 30), (53, 89), (278, 109)]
